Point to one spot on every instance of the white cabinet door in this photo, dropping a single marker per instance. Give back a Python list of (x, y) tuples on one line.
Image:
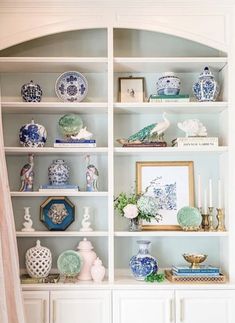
[(140, 306), (36, 305), (81, 307), (217, 306)]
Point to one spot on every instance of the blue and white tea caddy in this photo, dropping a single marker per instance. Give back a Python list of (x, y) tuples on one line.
[(33, 135), (31, 92), (206, 88)]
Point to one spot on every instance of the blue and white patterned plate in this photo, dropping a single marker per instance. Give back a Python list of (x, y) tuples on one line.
[(71, 86)]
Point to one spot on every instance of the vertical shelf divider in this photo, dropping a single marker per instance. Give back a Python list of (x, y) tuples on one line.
[(110, 157)]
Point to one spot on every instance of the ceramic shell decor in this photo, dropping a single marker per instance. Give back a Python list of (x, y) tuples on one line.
[(71, 86), (189, 218), (57, 213), (31, 92), (69, 263), (33, 135), (38, 261)]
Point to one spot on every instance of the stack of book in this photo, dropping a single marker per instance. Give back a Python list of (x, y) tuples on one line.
[(203, 271), (74, 143), (195, 142), (169, 98), (66, 188)]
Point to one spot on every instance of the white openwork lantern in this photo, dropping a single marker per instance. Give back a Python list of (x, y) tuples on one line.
[(38, 261)]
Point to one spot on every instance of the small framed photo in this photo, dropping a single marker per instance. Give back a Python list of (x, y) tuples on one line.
[(172, 184), (131, 89)]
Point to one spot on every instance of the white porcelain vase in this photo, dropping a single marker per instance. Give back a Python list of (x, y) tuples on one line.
[(85, 249), (97, 271)]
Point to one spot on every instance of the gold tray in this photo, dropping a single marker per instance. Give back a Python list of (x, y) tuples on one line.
[(51, 279), (195, 279)]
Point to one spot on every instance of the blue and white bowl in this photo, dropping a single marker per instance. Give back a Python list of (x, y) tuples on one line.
[(168, 84), (143, 264), (58, 172), (33, 135), (206, 88), (31, 92)]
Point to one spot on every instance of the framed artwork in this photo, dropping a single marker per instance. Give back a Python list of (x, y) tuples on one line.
[(57, 213), (131, 89), (172, 183)]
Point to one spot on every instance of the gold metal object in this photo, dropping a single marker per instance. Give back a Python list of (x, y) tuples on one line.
[(220, 218), (194, 259), (210, 219), (205, 222)]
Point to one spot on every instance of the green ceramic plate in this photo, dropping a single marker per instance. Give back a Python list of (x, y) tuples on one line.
[(69, 263), (189, 217)]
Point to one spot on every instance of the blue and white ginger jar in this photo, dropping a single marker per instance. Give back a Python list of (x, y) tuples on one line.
[(58, 172), (168, 84), (31, 92), (33, 135), (143, 264), (206, 88)]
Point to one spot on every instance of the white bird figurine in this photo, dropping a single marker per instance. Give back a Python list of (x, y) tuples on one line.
[(153, 132)]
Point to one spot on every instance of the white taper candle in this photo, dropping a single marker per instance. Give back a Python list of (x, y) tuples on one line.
[(205, 201), (219, 195), (210, 193), (199, 192)]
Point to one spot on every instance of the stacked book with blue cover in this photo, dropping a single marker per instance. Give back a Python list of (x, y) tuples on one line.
[(208, 271), (169, 98), (75, 143)]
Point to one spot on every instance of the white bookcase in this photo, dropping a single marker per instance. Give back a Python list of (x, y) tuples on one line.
[(103, 55)]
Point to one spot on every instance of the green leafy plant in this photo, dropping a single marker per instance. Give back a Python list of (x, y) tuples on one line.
[(155, 277)]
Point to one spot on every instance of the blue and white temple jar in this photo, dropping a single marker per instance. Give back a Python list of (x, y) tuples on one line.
[(33, 135), (168, 84), (31, 92), (206, 88), (58, 172), (143, 264)]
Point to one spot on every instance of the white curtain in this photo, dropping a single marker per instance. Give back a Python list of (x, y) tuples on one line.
[(11, 304)]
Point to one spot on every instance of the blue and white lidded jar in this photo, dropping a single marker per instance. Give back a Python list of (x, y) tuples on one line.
[(31, 92), (58, 172), (168, 84), (33, 135), (143, 264), (206, 88)]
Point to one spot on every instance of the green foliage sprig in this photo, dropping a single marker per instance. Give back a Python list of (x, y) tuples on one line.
[(155, 277)]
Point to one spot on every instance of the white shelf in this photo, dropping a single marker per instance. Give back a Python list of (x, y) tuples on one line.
[(173, 64), (54, 107), (53, 64), (61, 234), (174, 107), (168, 150), (59, 193), (170, 234), (54, 151)]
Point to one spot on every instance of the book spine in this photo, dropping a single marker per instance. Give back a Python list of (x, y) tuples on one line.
[(75, 145), (64, 187), (189, 270), (169, 100), (63, 141), (196, 274), (62, 190)]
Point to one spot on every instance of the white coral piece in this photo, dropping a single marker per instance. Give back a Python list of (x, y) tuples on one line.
[(193, 128)]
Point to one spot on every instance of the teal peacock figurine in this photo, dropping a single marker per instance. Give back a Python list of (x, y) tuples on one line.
[(151, 133)]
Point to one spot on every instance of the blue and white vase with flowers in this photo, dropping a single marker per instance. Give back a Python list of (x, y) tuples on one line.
[(58, 172), (33, 135), (206, 88)]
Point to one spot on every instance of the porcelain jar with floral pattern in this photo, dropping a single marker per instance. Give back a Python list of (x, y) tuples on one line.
[(33, 135), (58, 172), (206, 88), (31, 92), (168, 84)]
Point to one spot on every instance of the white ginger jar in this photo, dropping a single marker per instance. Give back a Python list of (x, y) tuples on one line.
[(97, 271), (85, 249)]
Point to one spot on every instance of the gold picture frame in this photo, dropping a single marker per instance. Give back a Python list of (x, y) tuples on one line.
[(184, 179), (131, 89)]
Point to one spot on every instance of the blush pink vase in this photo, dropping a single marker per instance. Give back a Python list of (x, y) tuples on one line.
[(85, 249)]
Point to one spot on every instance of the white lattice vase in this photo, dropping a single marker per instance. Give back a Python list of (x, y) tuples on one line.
[(38, 261)]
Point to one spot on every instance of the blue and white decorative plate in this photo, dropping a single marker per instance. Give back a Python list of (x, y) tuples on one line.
[(71, 86)]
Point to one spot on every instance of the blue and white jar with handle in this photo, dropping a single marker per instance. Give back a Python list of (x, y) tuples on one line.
[(206, 88), (143, 264)]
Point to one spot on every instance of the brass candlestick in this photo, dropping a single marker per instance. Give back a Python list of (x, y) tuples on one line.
[(220, 219), (205, 222), (210, 219)]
